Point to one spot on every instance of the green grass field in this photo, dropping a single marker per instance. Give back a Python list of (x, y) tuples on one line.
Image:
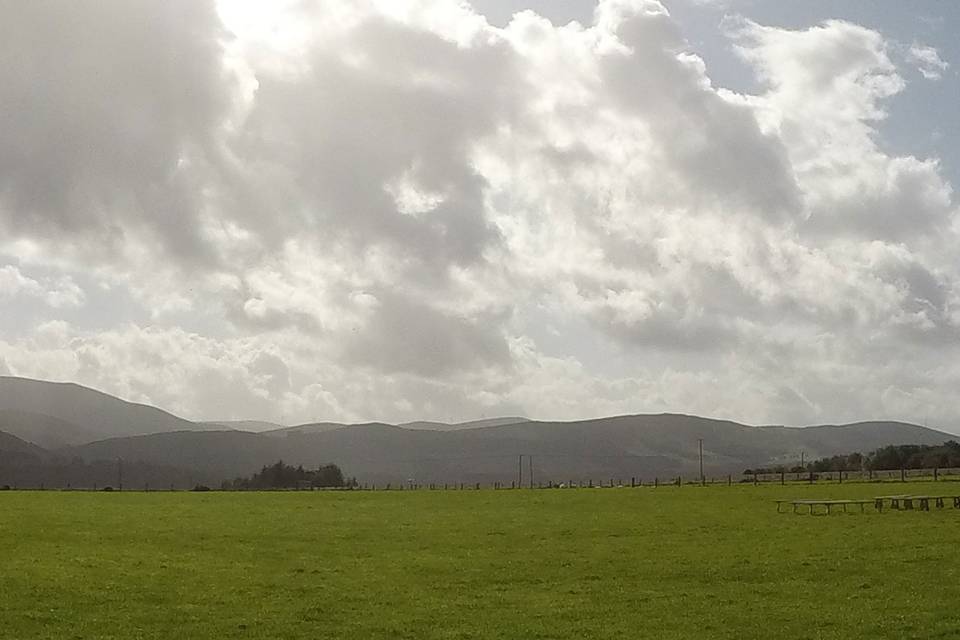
[(711, 563)]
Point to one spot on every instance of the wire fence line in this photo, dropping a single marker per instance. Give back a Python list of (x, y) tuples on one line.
[(934, 474)]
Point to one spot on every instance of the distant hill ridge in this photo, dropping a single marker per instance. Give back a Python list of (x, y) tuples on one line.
[(73, 421), (84, 413)]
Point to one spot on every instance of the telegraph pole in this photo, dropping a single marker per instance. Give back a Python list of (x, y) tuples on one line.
[(703, 481)]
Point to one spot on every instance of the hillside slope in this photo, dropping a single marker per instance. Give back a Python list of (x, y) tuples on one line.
[(45, 431), (14, 448), (223, 454), (91, 413)]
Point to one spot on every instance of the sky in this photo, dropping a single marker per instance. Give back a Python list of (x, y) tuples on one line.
[(428, 209)]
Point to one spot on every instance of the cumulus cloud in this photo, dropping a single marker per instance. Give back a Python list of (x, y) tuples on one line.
[(357, 210), (827, 91)]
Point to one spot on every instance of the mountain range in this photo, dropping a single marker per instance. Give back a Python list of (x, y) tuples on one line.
[(61, 431)]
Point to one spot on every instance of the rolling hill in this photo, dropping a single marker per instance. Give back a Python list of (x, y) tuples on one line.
[(457, 426), (256, 426), (80, 424), (72, 414), (618, 447)]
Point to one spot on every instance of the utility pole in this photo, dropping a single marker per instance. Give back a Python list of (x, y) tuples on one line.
[(703, 481), (120, 473), (530, 458), (520, 472)]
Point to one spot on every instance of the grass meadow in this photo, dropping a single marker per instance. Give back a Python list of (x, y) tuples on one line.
[(690, 562)]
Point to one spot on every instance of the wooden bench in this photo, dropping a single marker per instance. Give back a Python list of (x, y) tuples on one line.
[(923, 502), (906, 502), (901, 502), (828, 505), (893, 500)]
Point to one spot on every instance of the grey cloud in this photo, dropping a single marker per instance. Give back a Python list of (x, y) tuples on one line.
[(340, 134), (671, 330), (274, 371), (909, 201), (704, 316), (407, 336), (709, 147), (103, 103)]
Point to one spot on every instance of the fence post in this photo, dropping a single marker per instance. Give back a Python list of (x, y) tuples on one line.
[(679, 480), (903, 474), (633, 482), (783, 478), (841, 477), (656, 482), (729, 479), (756, 480), (935, 474)]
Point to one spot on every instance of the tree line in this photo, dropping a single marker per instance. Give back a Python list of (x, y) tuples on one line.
[(899, 456), (285, 476), (25, 471)]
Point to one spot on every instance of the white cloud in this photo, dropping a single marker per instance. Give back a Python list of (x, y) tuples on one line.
[(928, 61), (59, 292)]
